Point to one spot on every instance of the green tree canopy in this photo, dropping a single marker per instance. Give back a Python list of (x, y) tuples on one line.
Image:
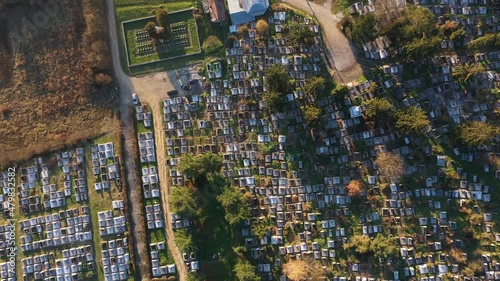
[(487, 41), (273, 101), (411, 120), (261, 226), (277, 79), (378, 109), (359, 244), (477, 133), (421, 47), (314, 86), (207, 163), (311, 114), (384, 246), (464, 73), (458, 36), (245, 271), (183, 201), (421, 21), (235, 204), (301, 34), (184, 240), (364, 28)]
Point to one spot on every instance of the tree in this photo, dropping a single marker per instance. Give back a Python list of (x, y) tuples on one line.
[(378, 109), (421, 22), (340, 92), (245, 271), (103, 79), (261, 226), (301, 34), (355, 188), (384, 246), (464, 73), (273, 100), (458, 36), (163, 20), (277, 79), (359, 244), (477, 133), (390, 165), (411, 120), (311, 114), (235, 204), (421, 47), (262, 27), (183, 240), (487, 41), (212, 45), (314, 86), (207, 163), (364, 28), (297, 270), (182, 201), (151, 29)]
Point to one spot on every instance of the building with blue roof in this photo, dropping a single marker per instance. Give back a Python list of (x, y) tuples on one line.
[(243, 11)]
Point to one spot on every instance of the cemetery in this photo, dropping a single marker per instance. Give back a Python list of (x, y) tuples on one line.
[(182, 40), (60, 205), (433, 221), (162, 263)]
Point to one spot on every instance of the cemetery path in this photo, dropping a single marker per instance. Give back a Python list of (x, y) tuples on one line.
[(136, 212), (339, 51), (151, 91)]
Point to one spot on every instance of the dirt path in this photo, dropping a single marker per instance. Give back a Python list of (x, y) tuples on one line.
[(151, 89), (130, 153), (339, 53)]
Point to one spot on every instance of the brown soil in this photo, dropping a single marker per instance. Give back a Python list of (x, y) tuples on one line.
[(49, 58)]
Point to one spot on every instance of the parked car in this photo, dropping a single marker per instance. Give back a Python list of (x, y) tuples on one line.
[(172, 93), (135, 99), (186, 87), (194, 81)]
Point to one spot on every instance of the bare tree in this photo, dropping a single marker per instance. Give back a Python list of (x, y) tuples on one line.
[(308, 269), (390, 165), (387, 12)]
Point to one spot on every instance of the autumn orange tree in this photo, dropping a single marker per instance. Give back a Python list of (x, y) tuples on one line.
[(355, 188)]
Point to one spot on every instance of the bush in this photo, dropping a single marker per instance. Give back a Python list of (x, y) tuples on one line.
[(262, 27), (103, 79), (212, 45)]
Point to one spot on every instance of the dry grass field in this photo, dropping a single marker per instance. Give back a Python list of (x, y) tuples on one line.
[(54, 68)]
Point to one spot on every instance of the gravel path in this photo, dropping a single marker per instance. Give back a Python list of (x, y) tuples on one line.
[(339, 51), (152, 89)]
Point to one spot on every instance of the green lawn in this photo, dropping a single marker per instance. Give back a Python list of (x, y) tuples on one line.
[(178, 17)]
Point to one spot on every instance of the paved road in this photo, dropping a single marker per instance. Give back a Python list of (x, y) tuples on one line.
[(126, 85), (339, 52)]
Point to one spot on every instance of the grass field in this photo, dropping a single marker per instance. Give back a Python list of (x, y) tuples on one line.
[(48, 86), (132, 27)]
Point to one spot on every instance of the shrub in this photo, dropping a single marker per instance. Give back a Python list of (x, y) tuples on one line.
[(212, 45), (262, 27)]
